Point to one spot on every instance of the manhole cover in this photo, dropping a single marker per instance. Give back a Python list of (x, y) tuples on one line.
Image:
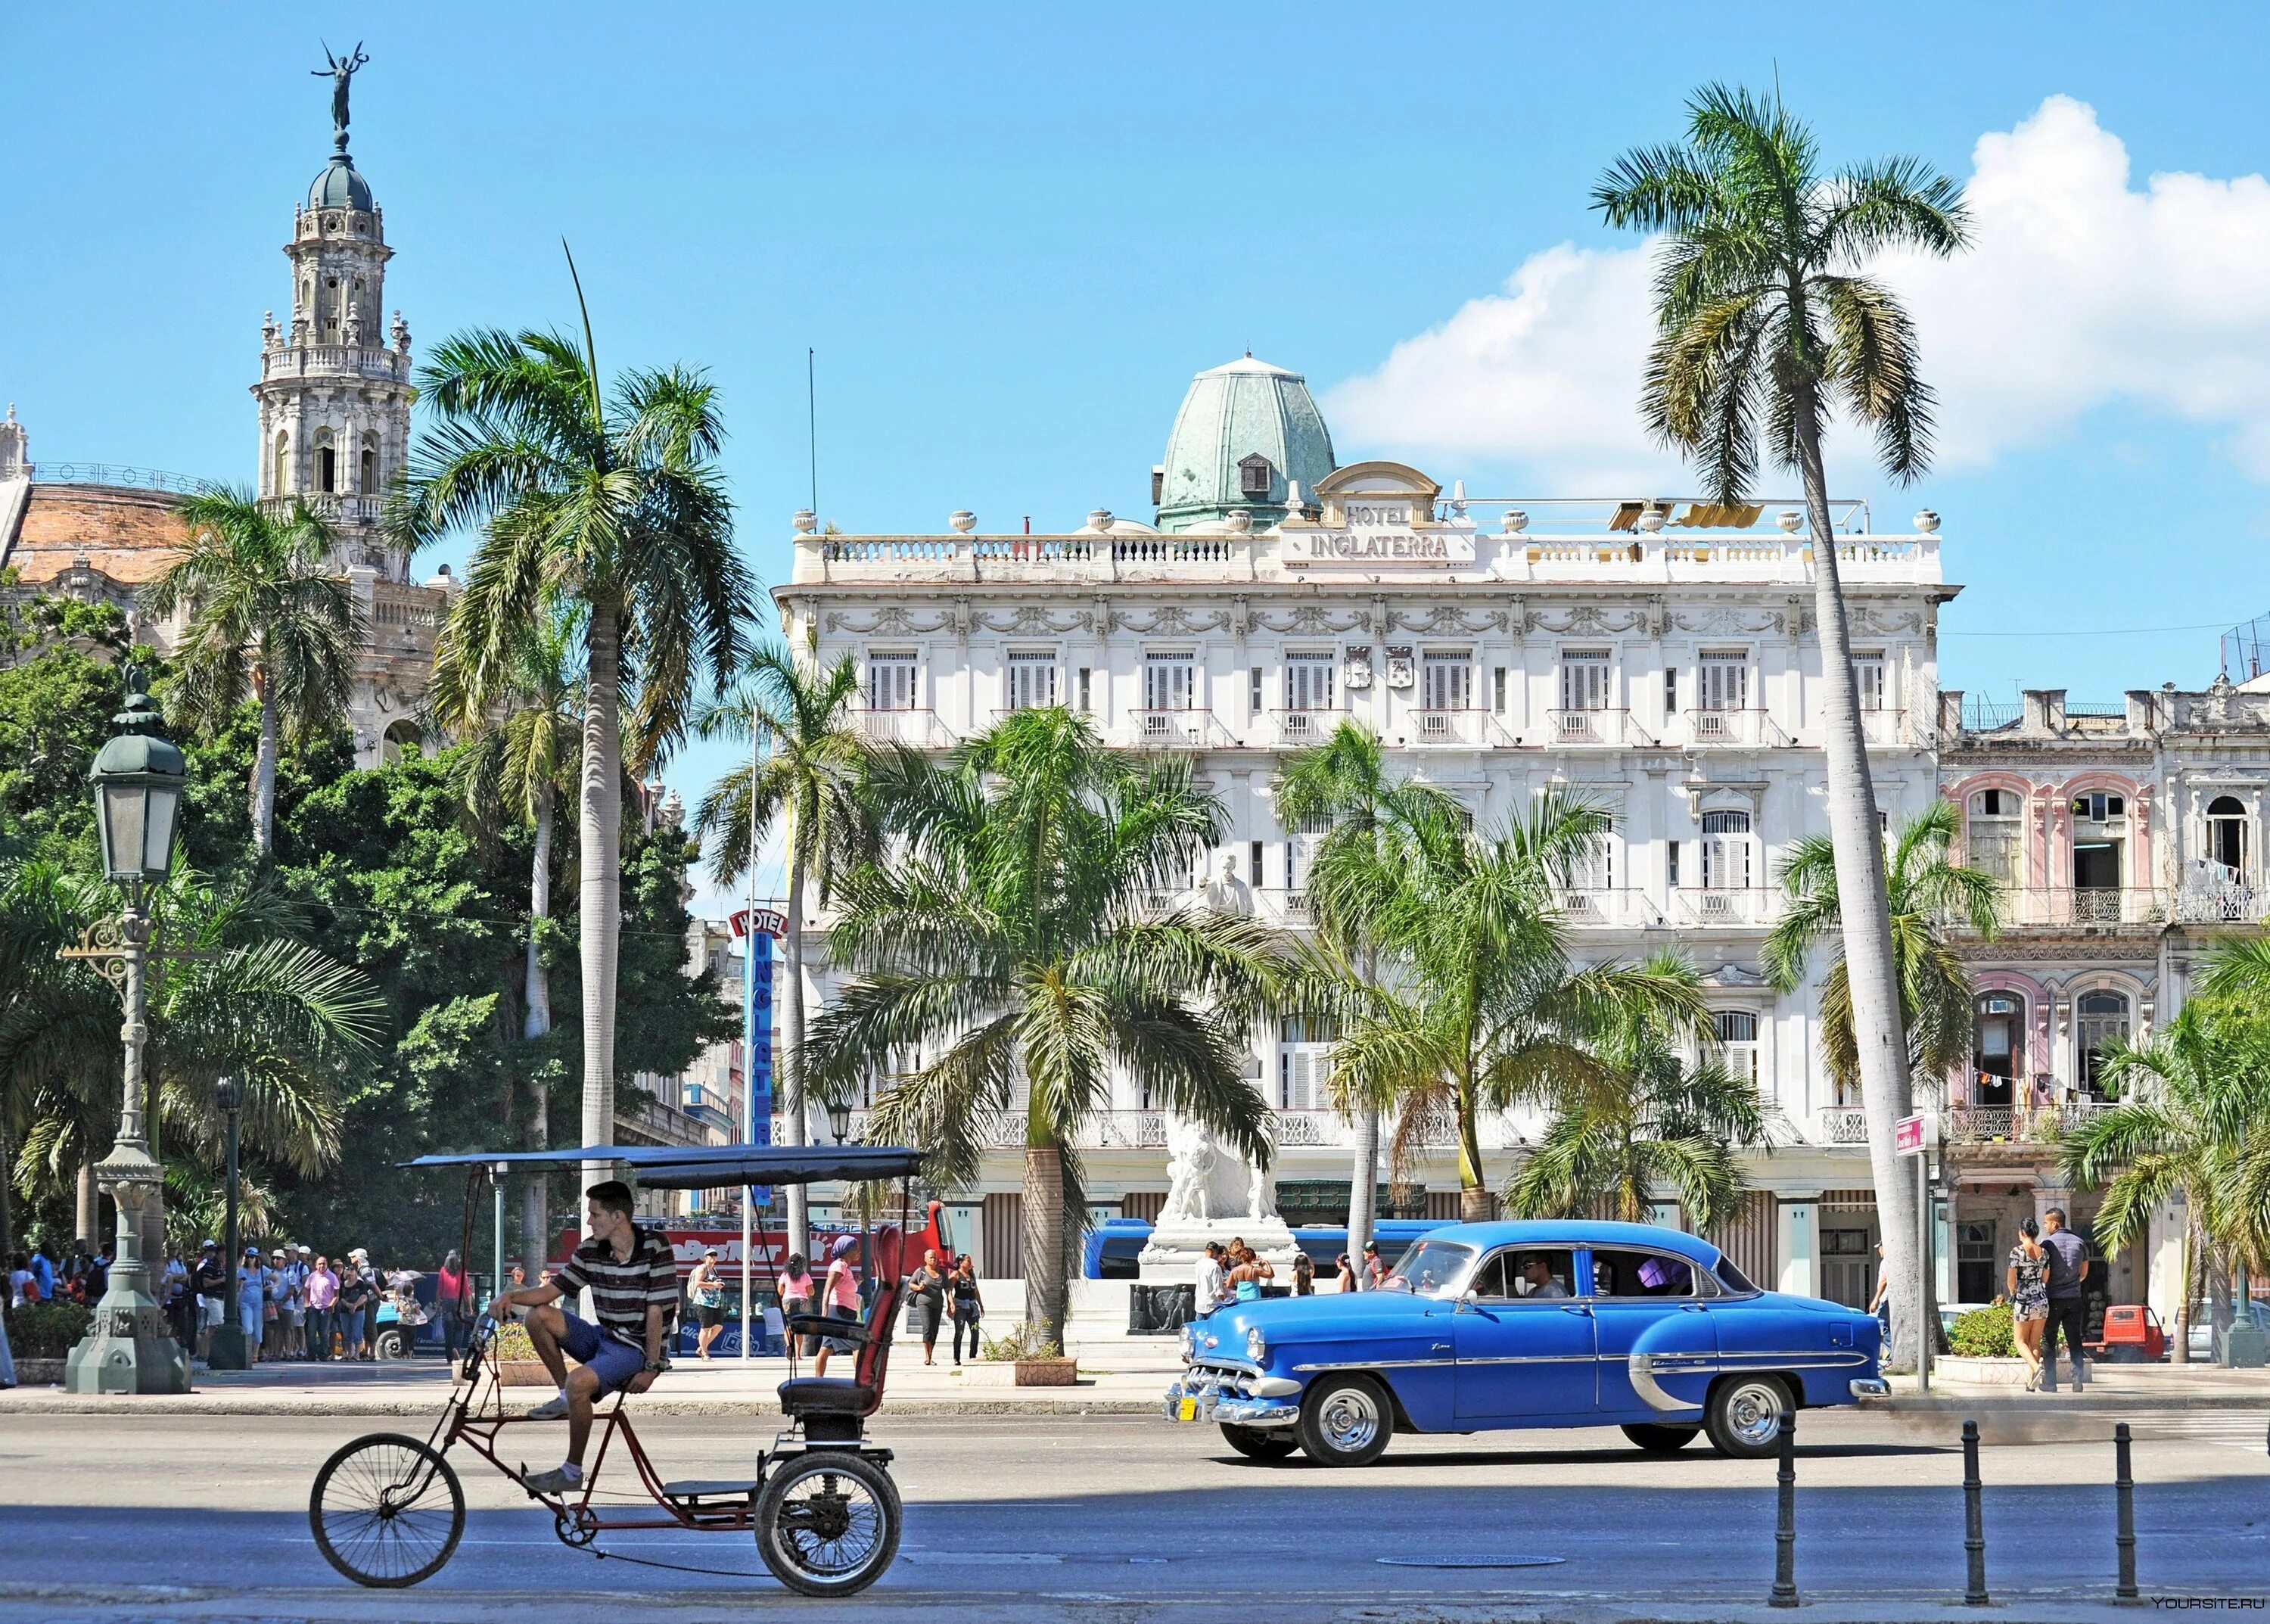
[(1471, 1561)]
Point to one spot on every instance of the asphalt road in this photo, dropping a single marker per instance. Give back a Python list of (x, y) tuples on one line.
[(1119, 1519)]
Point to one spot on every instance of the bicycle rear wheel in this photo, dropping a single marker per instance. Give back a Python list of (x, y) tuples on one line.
[(387, 1510), (828, 1522)]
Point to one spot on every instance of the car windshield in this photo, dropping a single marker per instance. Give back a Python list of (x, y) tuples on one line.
[(1431, 1268)]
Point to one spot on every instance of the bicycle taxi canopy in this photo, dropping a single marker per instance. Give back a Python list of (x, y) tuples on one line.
[(681, 1166)]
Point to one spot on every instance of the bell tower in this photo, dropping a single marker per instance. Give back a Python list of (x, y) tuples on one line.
[(334, 392)]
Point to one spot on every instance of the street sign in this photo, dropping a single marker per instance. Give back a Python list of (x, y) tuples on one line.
[(1911, 1136)]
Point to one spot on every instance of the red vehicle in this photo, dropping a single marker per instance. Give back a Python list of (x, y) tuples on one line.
[(2132, 1335), (768, 1248)]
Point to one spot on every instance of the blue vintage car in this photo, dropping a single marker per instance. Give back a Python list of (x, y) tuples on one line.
[(1499, 1325)]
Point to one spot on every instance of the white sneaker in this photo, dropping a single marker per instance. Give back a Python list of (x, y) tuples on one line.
[(556, 1481), (556, 1410)]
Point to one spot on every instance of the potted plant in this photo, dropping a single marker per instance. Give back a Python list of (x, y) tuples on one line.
[(517, 1365), (1985, 1350), (1039, 1361)]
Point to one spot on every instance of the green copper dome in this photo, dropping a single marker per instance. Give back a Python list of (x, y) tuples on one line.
[(340, 186), (1247, 432)]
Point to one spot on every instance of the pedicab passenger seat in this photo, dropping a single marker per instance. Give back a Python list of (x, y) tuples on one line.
[(833, 1407)]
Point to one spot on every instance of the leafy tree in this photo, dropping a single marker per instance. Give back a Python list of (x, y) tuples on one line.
[(267, 620), (1764, 320), (1483, 1007), (56, 706), (811, 776), (1648, 1119), (1008, 941), (1926, 891), (610, 501)]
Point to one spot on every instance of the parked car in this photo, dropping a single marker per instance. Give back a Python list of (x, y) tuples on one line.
[(1526, 1325), (2133, 1335)]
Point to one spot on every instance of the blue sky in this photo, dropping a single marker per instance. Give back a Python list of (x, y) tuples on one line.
[(1012, 234)]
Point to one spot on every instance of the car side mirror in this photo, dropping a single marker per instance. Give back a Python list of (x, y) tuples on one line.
[(1469, 1301)]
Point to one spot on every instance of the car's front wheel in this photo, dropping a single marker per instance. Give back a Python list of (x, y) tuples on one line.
[(1745, 1414), (1260, 1443), (393, 1343), (1657, 1439), (1346, 1420)]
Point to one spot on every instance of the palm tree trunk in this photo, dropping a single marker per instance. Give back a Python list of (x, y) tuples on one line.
[(2181, 1353), (791, 1069), (1863, 908), (1475, 1204), (86, 1215), (536, 1020), (601, 830), (1363, 1178), (1043, 1235), (263, 770), (7, 1191)]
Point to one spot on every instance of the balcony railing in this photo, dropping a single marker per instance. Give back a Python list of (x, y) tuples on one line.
[(1281, 907), (1842, 1124), (2032, 1125), (2220, 895), (1594, 727), (306, 360), (2065, 906), (1298, 728), (1752, 907), (1609, 908), (1885, 727), (1455, 727), (1177, 730), (1732, 727), (919, 729)]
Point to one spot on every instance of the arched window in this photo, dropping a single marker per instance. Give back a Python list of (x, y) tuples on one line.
[(1737, 1033), (2226, 833), (367, 481), (1725, 851), (1993, 837), (1997, 1048), (404, 738), (2099, 1020), (327, 462), (279, 483)]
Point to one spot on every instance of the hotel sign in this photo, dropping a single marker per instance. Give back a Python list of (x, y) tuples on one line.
[(1380, 532)]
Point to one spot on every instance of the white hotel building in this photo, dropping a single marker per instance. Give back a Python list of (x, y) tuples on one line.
[(1657, 656)]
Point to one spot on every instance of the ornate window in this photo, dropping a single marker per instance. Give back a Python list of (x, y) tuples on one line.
[(1169, 680), (1726, 848), (1736, 1031), (1583, 679), (2226, 833), (367, 481), (1868, 678), (1447, 678), (1253, 475), (1308, 679), (2099, 1020), (891, 679), (280, 481), (327, 462), (1031, 678), (1725, 680), (1993, 837)]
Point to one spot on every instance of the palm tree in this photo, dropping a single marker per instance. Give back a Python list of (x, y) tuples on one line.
[(1926, 891), (1763, 313), (1649, 1120), (2191, 1100), (1342, 785), (1485, 1007), (520, 760), (609, 499), (1008, 959), (810, 775), (268, 620)]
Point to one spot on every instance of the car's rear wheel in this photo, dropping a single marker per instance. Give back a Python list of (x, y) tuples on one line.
[(1260, 1443), (393, 1343), (1744, 1415), (1346, 1420), (1657, 1439)]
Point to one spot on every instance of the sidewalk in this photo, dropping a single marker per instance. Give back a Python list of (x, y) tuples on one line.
[(723, 1387), (2110, 1388)]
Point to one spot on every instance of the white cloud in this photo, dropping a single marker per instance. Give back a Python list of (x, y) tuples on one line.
[(2080, 291)]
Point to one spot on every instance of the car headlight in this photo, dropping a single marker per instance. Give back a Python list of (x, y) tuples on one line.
[(1256, 1345), (1189, 1344)]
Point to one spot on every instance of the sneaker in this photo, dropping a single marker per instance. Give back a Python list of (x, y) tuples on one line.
[(555, 1481), (554, 1411)]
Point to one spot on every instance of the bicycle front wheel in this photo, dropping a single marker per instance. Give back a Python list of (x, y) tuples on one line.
[(387, 1510), (828, 1522)]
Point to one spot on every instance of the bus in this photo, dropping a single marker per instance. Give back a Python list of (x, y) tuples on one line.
[(1114, 1247)]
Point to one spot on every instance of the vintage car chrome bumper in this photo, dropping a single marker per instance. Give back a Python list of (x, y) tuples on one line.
[(1870, 1387), (1242, 1398)]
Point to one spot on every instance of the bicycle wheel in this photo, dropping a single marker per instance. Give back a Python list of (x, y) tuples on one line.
[(828, 1522), (387, 1510)]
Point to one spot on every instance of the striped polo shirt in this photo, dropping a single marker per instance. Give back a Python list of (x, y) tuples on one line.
[(621, 1289)]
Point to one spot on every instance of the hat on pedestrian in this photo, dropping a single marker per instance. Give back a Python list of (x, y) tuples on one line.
[(360, 1255), (279, 1252), (211, 1246), (709, 1251), (252, 1251)]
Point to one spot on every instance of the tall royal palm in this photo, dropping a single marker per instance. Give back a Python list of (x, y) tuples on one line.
[(267, 620), (1766, 320), (1341, 789), (608, 498), (523, 740), (809, 770), (1007, 958), (1481, 1006), (1926, 891)]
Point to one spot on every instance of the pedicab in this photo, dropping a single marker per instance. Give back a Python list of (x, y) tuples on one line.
[(387, 1511)]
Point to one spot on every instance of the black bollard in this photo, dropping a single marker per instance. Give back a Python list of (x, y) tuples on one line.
[(2124, 1494), (1784, 1585), (1974, 1519)]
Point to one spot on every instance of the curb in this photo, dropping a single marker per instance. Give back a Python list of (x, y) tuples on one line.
[(229, 1404), (1999, 1403)]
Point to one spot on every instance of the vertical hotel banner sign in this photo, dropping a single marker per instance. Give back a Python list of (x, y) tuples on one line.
[(759, 928)]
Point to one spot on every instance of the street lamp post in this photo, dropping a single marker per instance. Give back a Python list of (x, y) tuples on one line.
[(226, 1350), (139, 780)]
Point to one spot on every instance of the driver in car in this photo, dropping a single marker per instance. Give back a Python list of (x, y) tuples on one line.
[(632, 1275), (1538, 1274)]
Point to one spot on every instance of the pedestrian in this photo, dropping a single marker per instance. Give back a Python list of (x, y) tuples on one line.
[(372, 1279), (355, 1298), (968, 1305), (1881, 1304), (927, 1287), (23, 1285), (1374, 1268), (7, 1358), (43, 1268), (453, 1302), (276, 1328), (1344, 1278), (1247, 1273), (175, 1294), (2067, 1256), (795, 1289), (252, 1303), (299, 1264), (841, 1296), (209, 1280), (323, 1300), (2029, 1299), (1210, 1286), (1304, 1275), (706, 1290)]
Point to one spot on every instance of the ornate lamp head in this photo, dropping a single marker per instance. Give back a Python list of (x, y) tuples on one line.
[(139, 780)]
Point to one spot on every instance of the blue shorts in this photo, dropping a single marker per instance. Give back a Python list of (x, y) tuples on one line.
[(606, 1355)]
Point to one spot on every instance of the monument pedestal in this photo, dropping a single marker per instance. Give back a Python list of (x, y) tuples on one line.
[(1173, 1252)]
